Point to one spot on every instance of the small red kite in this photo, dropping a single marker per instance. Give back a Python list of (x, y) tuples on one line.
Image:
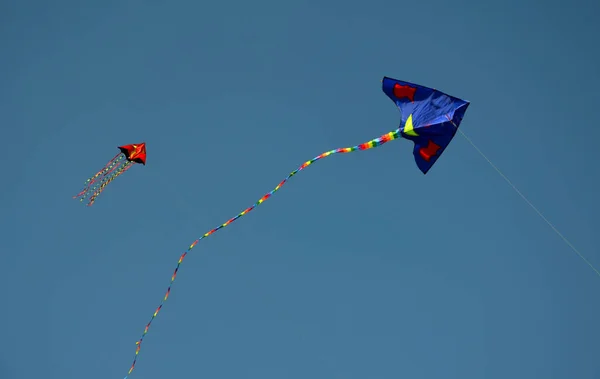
[(122, 162)]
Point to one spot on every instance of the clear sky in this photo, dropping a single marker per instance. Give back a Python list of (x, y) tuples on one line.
[(360, 267)]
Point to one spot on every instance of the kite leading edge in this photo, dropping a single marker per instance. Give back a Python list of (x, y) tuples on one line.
[(429, 118), (120, 163)]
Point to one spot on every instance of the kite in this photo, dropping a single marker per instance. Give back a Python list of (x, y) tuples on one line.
[(429, 118), (121, 162)]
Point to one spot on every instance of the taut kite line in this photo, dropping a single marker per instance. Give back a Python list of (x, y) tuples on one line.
[(429, 118)]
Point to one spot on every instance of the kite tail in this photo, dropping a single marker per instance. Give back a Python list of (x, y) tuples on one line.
[(112, 175), (364, 146), (100, 175)]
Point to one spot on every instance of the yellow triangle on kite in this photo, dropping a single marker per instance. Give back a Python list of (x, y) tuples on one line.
[(409, 129)]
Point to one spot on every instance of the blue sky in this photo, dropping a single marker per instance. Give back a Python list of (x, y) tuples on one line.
[(361, 267)]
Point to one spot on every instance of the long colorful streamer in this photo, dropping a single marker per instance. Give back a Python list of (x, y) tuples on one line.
[(104, 171), (96, 184), (119, 170), (364, 146)]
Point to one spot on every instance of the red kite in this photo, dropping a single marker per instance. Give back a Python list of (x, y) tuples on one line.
[(121, 162)]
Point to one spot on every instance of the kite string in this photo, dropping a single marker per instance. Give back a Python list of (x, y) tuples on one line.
[(530, 203), (364, 146)]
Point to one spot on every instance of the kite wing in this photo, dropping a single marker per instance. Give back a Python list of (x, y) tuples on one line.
[(135, 153), (430, 118)]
